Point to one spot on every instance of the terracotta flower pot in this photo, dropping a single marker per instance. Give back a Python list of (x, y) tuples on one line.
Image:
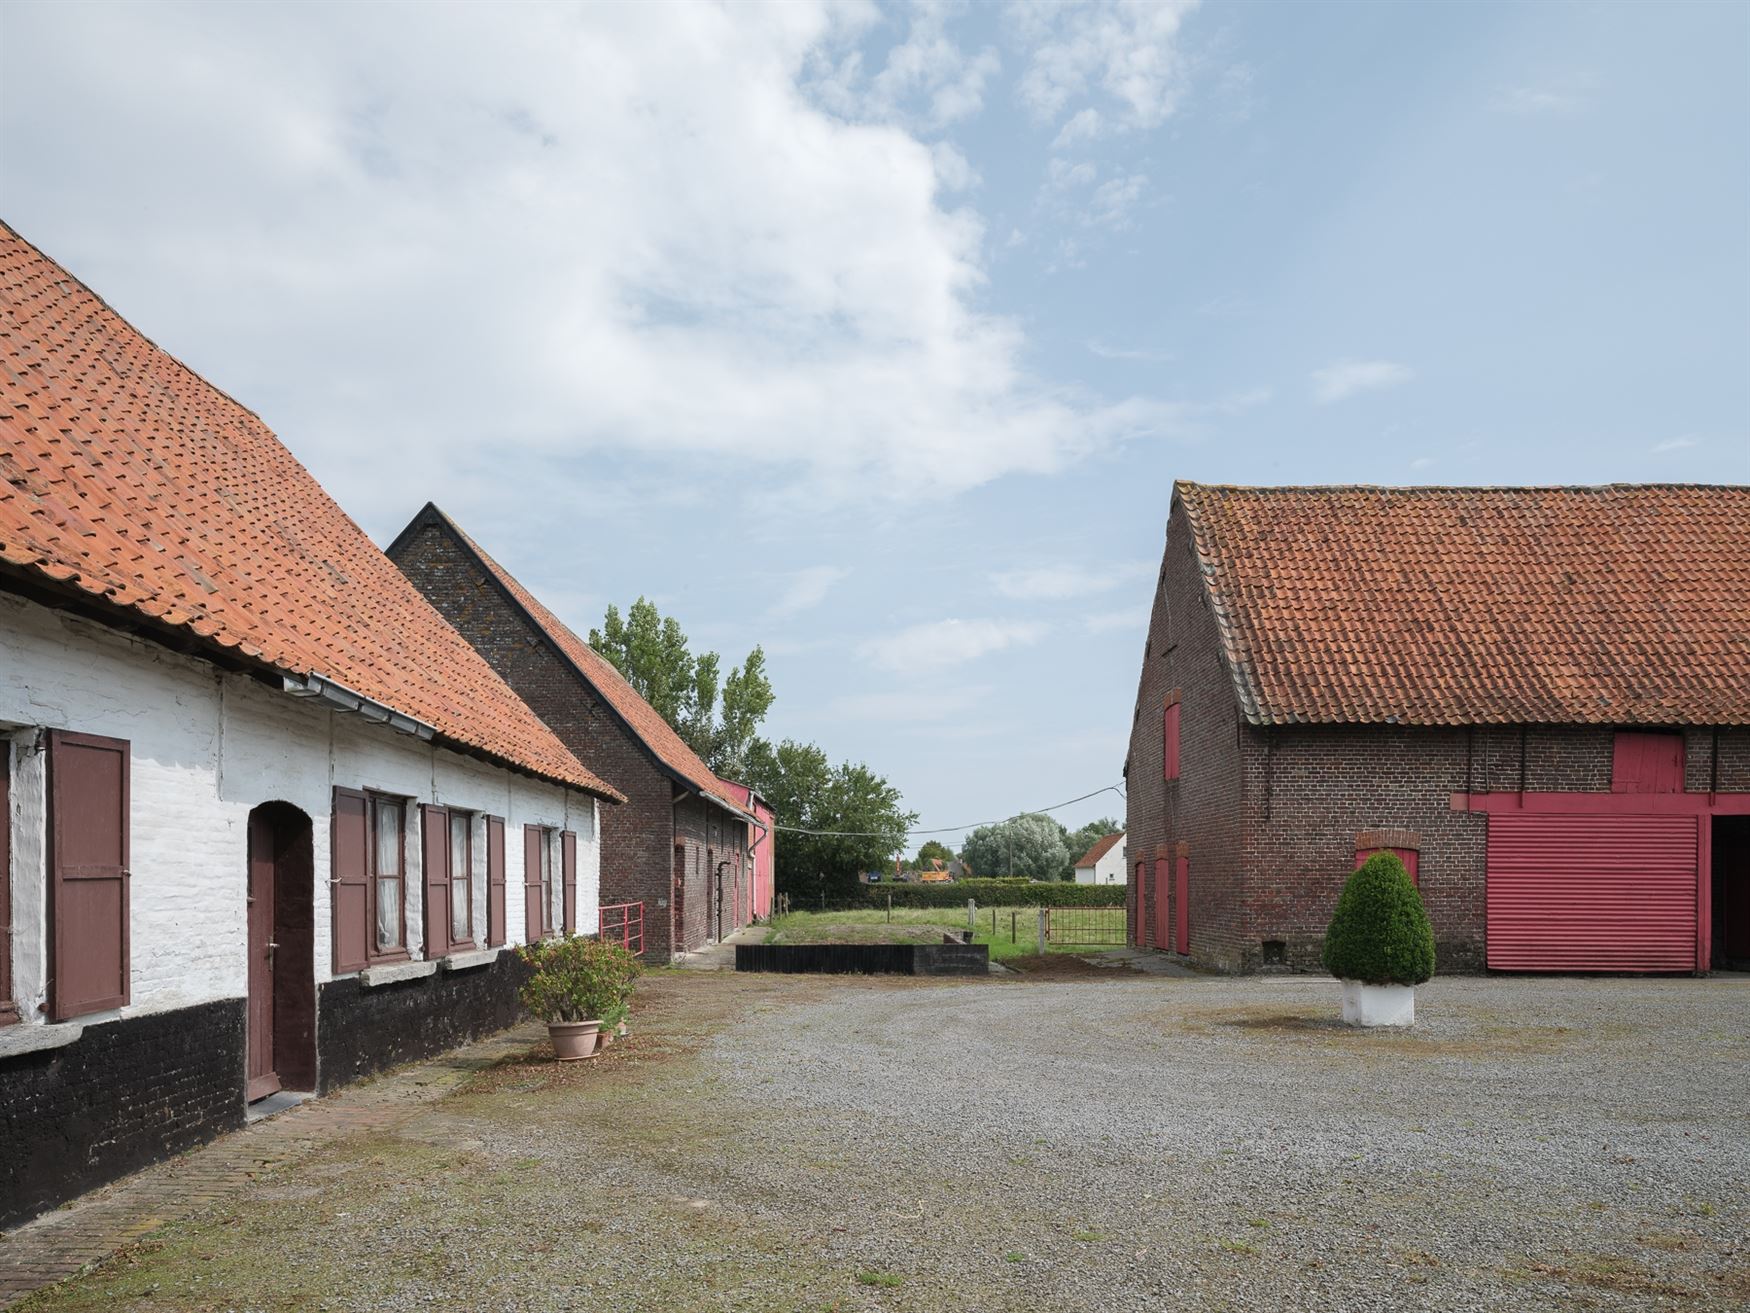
[(604, 1038), (573, 1039)]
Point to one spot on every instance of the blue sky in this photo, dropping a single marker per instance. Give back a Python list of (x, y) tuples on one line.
[(878, 335)]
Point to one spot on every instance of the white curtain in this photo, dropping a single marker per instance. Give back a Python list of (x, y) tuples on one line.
[(461, 891), (388, 855)]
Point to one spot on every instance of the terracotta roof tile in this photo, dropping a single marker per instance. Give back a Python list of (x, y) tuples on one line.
[(643, 719), (1101, 847), (128, 477), (1622, 604)]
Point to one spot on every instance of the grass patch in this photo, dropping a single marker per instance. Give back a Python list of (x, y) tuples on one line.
[(885, 1280), (1008, 932)]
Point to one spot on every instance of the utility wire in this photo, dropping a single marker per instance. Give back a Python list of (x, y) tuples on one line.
[(945, 829)]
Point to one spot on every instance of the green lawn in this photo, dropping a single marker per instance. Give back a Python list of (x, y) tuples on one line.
[(1014, 933)]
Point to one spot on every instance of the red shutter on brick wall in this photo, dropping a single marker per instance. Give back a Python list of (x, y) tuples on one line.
[(532, 884), (349, 878), (1170, 741), (568, 855), (88, 905), (494, 881), (434, 829), (1411, 859), (1647, 763)]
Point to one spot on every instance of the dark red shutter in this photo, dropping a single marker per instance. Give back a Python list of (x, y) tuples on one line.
[(568, 855), (434, 828), (1647, 763), (1161, 903), (1135, 909), (532, 917), (1170, 741), (8, 1009), (88, 907), (350, 880), (494, 881)]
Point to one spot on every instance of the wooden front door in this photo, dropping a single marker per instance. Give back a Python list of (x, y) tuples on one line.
[(263, 1080)]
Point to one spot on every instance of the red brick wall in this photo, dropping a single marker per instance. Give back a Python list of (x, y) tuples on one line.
[(1272, 815), (639, 835)]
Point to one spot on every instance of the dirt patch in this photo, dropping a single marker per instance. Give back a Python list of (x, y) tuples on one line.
[(1059, 966)]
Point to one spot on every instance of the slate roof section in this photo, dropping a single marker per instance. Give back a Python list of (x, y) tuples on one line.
[(1101, 847), (129, 483), (1621, 604), (642, 719)]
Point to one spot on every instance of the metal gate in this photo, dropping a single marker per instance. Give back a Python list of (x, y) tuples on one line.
[(1085, 927), (1592, 893)]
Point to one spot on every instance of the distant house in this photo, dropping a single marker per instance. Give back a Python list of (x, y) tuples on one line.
[(267, 823), (1104, 862), (680, 845), (1538, 698)]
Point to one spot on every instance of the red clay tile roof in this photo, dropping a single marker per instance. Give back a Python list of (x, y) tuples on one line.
[(641, 718), (1101, 847), (126, 478), (1623, 604)]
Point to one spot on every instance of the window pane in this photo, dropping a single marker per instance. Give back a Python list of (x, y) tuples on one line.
[(461, 839), (388, 912), (548, 920), (388, 836), (459, 908)]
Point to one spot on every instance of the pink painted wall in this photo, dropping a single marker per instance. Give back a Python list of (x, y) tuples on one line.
[(762, 843)]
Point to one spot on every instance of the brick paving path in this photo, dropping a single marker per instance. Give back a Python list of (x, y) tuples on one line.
[(62, 1243)]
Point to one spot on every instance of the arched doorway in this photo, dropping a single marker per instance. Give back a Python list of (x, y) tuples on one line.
[(282, 975)]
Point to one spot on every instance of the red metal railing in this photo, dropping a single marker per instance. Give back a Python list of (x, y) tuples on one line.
[(623, 924)]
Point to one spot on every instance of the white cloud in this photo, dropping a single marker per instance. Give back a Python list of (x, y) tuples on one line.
[(926, 81), (1108, 352), (1057, 582), (615, 229), (1083, 125), (939, 644), (1131, 618), (1674, 444), (807, 589), (1113, 200), (1125, 50), (1347, 377), (1559, 96)]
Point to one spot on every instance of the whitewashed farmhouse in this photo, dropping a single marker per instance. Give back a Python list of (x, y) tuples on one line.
[(267, 823)]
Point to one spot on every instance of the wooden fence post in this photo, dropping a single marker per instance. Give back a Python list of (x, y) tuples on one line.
[(1043, 914), (971, 915)]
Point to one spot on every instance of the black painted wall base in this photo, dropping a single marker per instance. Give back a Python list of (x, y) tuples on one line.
[(124, 1095), (361, 1031)]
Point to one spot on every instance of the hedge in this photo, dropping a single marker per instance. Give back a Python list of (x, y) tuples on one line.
[(993, 893), (1380, 933)]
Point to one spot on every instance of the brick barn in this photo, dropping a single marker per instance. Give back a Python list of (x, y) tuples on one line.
[(1538, 697), (680, 844), (267, 823)]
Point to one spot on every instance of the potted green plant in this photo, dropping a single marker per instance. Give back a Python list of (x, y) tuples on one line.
[(574, 983), (1380, 944)]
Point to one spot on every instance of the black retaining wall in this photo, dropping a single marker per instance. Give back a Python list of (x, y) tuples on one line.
[(866, 959), (123, 1095), (361, 1031)]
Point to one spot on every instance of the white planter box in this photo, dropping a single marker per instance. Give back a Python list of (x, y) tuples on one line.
[(1378, 1005)]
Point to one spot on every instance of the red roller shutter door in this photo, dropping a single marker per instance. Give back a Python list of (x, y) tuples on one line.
[(1592, 893)]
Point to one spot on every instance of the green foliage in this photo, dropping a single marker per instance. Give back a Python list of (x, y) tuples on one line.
[(1380, 934), (1032, 845), (808, 792), (934, 851), (577, 978), (652, 652), (995, 893)]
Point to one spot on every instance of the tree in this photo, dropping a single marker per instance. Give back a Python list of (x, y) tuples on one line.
[(807, 792), (1083, 839), (651, 651), (933, 851), (1031, 845)]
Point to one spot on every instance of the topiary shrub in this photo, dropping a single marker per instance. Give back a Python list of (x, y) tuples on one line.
[(1380, 934)]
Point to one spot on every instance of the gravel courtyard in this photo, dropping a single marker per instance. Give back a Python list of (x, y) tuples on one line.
[(1108, 1142)]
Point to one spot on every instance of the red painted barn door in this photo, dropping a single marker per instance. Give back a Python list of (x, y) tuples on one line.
[(1182, 905), (262, 1079), (1592, 893), (1161, 907)]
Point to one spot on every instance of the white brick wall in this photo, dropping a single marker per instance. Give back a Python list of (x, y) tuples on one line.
[(207, 747)]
